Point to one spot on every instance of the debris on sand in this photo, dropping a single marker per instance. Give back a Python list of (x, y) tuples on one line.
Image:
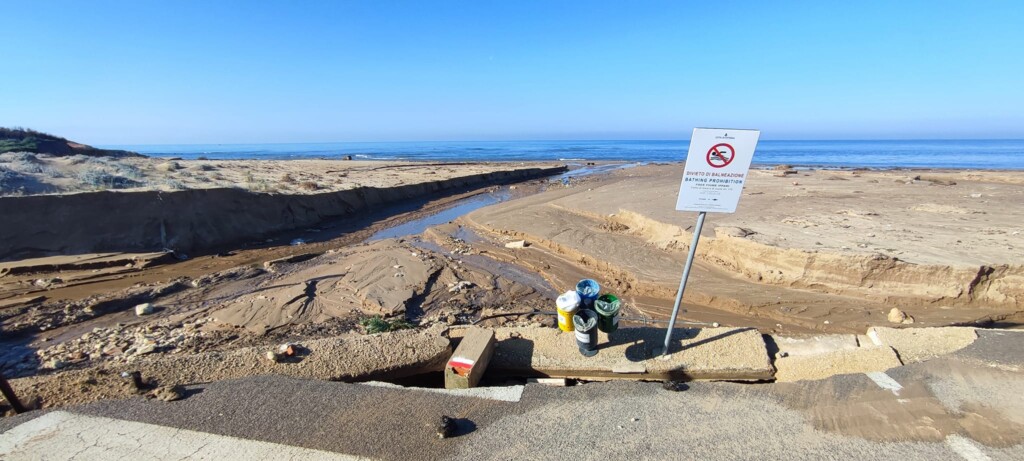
[(900, 317), (459, 286), (169, 393), (135, 379), (517, 244), (288, 349)]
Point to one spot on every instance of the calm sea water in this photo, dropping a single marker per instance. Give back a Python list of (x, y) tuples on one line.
[(981, 154)]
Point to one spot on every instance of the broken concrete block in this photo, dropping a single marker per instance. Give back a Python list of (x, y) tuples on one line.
[(920, 344), (813, 345), (839, 362), (470, 359)]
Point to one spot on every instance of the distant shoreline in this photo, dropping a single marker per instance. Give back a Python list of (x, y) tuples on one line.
[(994, 154)]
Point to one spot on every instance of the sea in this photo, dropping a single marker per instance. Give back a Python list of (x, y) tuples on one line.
[(958, 154)]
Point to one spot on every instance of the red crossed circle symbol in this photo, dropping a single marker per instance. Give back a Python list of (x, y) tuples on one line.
[(721, 155)]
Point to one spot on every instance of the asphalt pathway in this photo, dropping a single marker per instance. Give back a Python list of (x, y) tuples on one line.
[(966, 406)]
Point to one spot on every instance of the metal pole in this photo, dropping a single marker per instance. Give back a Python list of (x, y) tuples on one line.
[(8, 394), (682, 283)]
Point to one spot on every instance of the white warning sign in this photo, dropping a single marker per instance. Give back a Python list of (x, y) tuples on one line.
[(716, 168)]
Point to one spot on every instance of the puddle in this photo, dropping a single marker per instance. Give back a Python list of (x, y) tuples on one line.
[(590, 170), (476, 202), (504, 270), (463, 207)]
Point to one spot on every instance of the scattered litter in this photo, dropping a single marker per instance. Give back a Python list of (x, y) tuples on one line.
[(446, 427), (288, 349), (517, 244), (674, 386), (460, 286), (135, 378)]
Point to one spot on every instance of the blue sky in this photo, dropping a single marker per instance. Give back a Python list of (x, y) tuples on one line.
[(131, 72)]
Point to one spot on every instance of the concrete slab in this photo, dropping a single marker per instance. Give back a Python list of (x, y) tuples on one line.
[(821, 366), (63, 435), (352, 357), (712, 353), (919, 344), (813, 345)]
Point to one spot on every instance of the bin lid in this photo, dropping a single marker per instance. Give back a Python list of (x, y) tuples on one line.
[(585, 319), (588, 288), (568, 301)]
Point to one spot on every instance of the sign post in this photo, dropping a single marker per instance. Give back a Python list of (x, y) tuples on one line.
[(716, 169)]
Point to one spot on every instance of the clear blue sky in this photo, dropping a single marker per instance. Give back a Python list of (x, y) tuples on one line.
[(130, 72)]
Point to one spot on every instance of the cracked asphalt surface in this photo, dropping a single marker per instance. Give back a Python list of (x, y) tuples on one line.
[(963, 406)]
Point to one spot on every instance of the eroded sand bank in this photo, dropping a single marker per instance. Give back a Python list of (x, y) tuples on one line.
[(201, 217), (808, 247)]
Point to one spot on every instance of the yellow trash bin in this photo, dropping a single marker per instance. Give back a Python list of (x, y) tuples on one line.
[(568, 303)]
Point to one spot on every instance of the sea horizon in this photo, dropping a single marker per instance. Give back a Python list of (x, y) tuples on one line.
[(998, 154)]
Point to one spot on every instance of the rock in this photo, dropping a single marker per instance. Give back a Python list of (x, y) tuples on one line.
[(517, 244), (896, 316), (145, 348), (273, 356), (143, 309), (446, 427), (169, 393), (908, 320), (347, 157)]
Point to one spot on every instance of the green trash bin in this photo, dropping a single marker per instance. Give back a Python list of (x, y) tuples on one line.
[(607, 307)]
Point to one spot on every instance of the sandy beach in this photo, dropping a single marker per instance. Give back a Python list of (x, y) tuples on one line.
[(808, 251)]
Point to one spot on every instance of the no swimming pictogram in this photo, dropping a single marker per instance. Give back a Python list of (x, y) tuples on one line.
[(720, 155)]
